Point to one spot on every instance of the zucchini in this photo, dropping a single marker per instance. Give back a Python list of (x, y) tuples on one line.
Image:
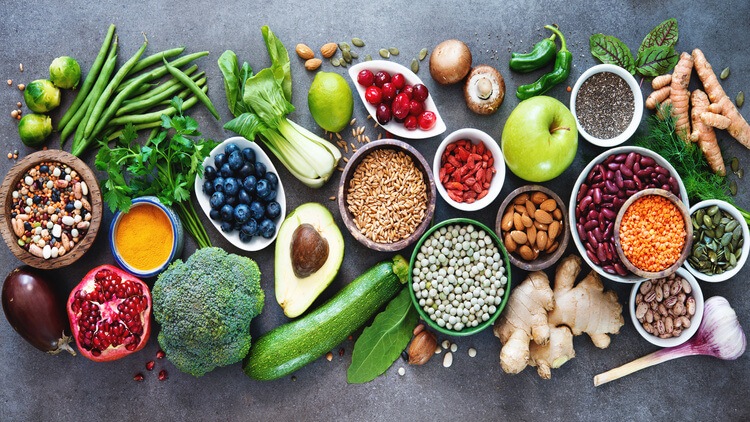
[(291, 346)]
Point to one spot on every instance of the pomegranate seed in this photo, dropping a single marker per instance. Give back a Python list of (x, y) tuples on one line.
[(365, 78), (163, 375), (160, 354), (373, 95), (150, 365), (138, 377)]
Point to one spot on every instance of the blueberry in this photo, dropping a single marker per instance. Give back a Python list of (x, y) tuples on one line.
[(241, 213), (273, 210), (227, 212), (260, 169), (267, 228), (218, 184), (273, 180), (235, 161), (220, 159), (271, 196), (249, 184), (208, 187), (226, 226), (257, 210), (214, 214), (247, 169), (244, 237), (250, 228), (231, 186), (248, 154), (209, 173), (243, 197), (232, 200), (262, 188), (230, 148), (217, 200), (226, 171)]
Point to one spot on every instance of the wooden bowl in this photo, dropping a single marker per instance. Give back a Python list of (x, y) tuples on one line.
[(6, 198), (429, 181), (688, 234), (544, 260)]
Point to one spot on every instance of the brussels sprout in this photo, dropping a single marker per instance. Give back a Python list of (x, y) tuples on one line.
[(41, 96), (34, 129), (65, 72)]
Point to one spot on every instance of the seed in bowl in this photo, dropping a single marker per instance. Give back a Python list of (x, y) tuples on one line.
[(531, 225), (387, 196), (652, 233), (665, 306), (605, 105), (466, 170), (458, 276), (717, 241)]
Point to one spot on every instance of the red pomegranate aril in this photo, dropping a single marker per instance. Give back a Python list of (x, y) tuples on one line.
[(398, 80), (383, 113), (411, 123), (163, 375), (138, 377), (416, 107), (400, 106), (373, 95), (160, 354), (150, 365), (420, 92), (365, 78), (408, 90), (389, 92), (381, 78), (427, 120)]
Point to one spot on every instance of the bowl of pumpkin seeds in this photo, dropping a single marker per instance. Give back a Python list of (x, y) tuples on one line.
[(719, 248)]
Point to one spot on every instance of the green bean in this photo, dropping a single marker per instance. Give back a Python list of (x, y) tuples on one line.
[(155, 58), (162, 70), (88, 83), (110, 89), (137, 119), (185, 79), (159, 88), (154, 98)]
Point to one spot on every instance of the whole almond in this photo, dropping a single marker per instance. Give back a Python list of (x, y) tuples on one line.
[(519, 237), (531, 233), (329, 49), (304, 52), (543, 217), (531, 209), (526, 253), (554, 229), (507, 221), (521, 199), (541, 239), (527, 221), (510, 244), (312, 64), (518, 221), (548, 205), (538, 197)]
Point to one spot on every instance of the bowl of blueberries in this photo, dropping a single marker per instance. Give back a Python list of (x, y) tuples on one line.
[(241, 194)]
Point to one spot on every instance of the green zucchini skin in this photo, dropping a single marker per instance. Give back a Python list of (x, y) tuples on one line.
[(291, 346)]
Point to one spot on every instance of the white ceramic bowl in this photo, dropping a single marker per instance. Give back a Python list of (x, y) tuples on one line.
[(730, 209), (475, 136), (178, 237), (630, 278), (257, 242), (695, 321), (393, 126), (637, 97)]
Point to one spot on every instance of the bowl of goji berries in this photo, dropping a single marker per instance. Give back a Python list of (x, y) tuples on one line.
[(469, 168)]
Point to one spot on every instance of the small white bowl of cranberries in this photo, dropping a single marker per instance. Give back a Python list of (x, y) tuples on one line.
[(397, 99)]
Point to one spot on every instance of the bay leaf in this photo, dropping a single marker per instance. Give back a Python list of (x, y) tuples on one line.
[(609, 49)]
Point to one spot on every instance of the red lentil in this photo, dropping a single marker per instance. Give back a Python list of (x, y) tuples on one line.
[(652, 233), (466, 170)]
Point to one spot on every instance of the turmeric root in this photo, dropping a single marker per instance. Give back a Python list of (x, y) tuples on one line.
[(704, 134), (738, 126), (680, 96), (661, 81), (658, 97)]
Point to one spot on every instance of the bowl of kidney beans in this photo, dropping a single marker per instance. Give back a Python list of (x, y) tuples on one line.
[(397, 99), (601, 190)]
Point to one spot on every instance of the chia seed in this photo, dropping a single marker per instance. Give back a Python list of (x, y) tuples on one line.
[(605, 105)]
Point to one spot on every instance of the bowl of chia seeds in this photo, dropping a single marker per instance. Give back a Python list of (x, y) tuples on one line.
[(607, 104)]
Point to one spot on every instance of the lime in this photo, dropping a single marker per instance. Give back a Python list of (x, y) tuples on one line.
[(330, 101)]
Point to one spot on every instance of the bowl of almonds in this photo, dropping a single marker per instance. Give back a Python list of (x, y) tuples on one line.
[(531, 222), (667, 311)]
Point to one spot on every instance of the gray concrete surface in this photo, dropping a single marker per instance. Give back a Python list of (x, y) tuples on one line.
[(35, 387)]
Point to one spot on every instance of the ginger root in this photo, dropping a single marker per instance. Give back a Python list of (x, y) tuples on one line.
[(538, 323)]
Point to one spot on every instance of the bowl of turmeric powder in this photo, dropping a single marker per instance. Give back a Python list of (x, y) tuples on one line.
[(147, 238)]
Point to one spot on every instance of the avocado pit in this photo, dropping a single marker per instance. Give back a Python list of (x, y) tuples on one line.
[(309, 250)]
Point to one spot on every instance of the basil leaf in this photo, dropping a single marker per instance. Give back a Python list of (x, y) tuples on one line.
[(657, 60), (382, 342), (664, 34), (611, 50)]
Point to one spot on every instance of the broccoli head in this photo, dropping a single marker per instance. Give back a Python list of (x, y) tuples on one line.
[(204, 306)]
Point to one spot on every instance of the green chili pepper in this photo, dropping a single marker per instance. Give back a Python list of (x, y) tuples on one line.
[(542, 53), (560, 72)]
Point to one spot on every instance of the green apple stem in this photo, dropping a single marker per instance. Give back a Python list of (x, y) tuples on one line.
[(554, 129)]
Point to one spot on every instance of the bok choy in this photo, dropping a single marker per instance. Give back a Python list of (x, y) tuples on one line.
[(260, 103)]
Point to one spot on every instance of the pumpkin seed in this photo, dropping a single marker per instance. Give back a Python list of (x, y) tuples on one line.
[(335, 61), (368, 57), (716, 241), (734, 164), (712, 210), (740, 173), (354, 55), (422, 54), (344, 46), (415, 65), (393, 50), (740, 99), (346, 55), (358, 42), (724, 73), (733, 187), (342, 63), (384, 53)]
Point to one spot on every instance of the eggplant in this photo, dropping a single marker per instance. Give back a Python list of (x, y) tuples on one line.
[(34, 311)]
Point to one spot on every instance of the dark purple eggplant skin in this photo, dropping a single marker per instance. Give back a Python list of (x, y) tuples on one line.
[(34, 311)]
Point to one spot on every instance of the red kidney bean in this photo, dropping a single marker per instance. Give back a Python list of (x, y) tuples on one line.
[(619, 158), (590, 225), (630, 160), (661, 170), (608, 214), (596, 195), (601, 253), (598, 235), (592, 215), (609, 269), (675, 187), (581, 232), (627, 171), (647, 161), (620, 268), (610, 186), (592, 240), (584, 203), (613, 165), (582, 192), (638, 183), (618, 179), (592, 257)]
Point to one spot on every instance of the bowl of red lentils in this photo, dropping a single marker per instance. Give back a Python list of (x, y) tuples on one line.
[(469, 168), (387, 195), (52, 209), (653, 233)]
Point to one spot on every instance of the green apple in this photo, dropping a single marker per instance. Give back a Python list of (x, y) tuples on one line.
[(539, 139)]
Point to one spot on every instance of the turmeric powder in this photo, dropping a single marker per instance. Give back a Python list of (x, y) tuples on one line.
[(144, 237)]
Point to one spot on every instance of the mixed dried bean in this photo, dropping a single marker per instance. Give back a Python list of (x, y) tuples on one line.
[(665, 306)]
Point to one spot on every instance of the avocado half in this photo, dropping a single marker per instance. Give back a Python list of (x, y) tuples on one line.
[(296, 293)]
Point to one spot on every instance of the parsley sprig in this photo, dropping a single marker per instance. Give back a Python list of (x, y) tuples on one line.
[(165, 167)]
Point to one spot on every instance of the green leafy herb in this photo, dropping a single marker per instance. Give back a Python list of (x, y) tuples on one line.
[(382, 342), (165, 167), (611, 50), (656, 60), (664, 34)]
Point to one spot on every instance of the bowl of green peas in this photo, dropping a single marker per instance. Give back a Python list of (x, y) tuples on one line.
[(459, 277)]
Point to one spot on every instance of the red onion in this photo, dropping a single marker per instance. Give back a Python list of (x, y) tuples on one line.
[(719, 335)]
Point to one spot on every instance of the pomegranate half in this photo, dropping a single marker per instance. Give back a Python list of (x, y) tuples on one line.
[(110, 314)]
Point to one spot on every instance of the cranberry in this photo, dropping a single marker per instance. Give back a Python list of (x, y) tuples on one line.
[(401, 106), (373, 95), (365, 78), (420, 92), (389, 92), (383, 113), (416, 107), (398, 80), (411, 123), (408, 90), (382, 77), (427, 120)]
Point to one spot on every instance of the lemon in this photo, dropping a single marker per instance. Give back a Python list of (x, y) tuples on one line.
[(330, 101)]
